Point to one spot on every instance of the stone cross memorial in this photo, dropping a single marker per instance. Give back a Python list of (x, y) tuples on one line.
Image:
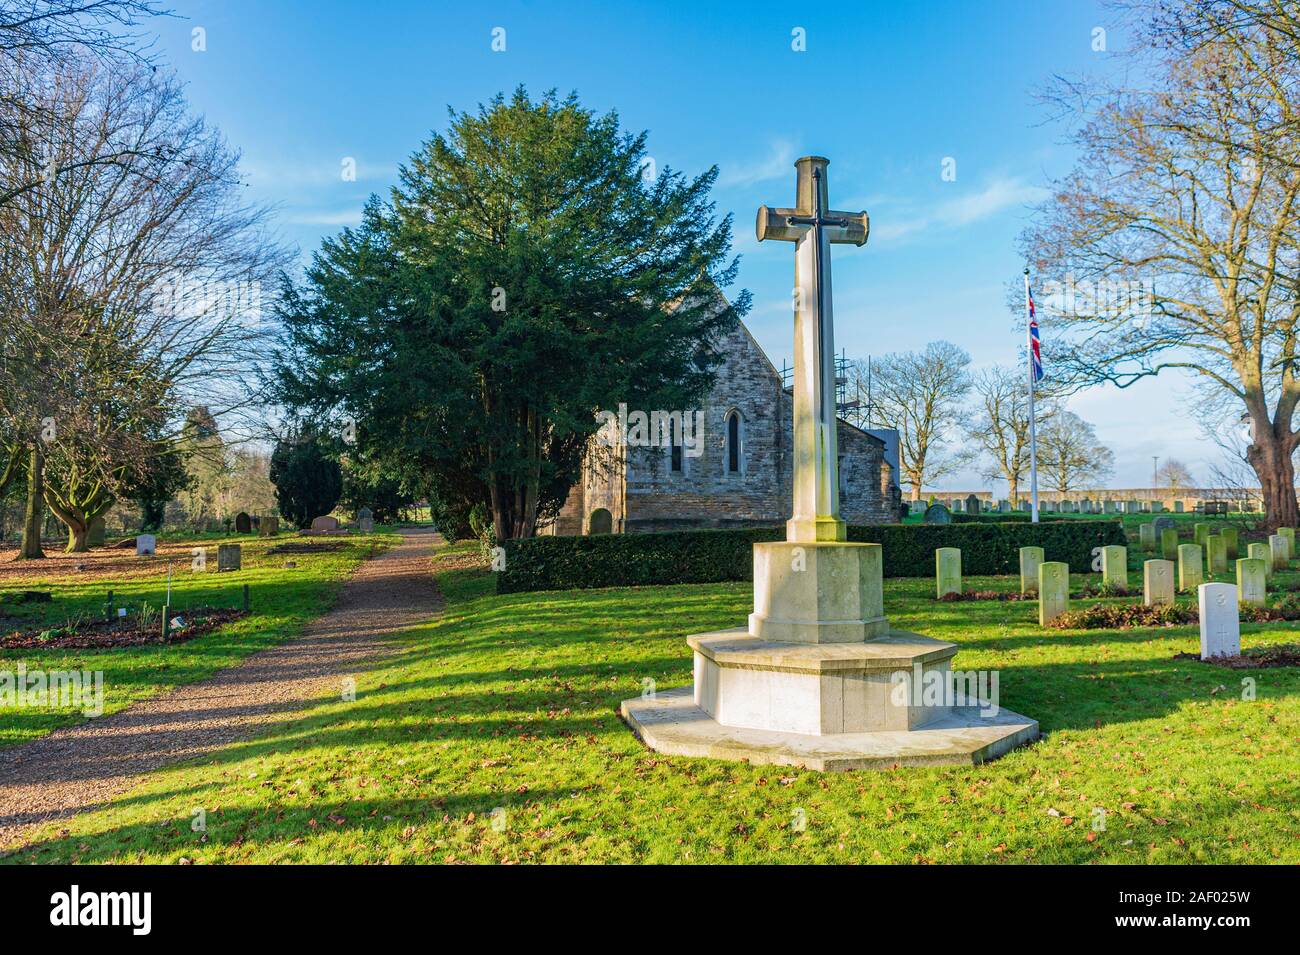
[(819, 678), (1220, 622)]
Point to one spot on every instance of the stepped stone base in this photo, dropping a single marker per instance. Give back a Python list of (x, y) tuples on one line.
[(672, 723), (825, 706)]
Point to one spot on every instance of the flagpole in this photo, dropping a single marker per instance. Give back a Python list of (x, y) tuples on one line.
[(1033, 430)]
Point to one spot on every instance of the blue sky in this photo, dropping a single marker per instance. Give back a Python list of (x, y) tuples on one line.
[(886, 90)]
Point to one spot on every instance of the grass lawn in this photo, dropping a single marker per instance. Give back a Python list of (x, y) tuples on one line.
[(282, 599), (494, 738)]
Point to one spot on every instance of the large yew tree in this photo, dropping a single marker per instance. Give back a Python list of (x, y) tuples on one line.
[(1188, 182), (532, 268)]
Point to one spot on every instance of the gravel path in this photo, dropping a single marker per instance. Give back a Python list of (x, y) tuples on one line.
[(83, 766)]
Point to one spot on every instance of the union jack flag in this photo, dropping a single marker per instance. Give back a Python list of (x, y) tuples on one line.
[(1035, 349)]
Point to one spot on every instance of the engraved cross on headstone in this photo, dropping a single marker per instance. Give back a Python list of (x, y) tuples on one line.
[(813, 229)]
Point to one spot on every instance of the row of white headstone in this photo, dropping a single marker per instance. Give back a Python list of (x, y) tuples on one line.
[(1083, 506), (1219, 602)]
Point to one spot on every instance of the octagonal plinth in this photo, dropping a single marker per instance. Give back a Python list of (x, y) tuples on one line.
[(671, 723), (744, 681), (807, 592)]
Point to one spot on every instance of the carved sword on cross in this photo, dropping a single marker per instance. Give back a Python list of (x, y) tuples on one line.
[(816, 467)]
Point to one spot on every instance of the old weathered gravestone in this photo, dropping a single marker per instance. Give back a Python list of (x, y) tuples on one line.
[(947, 571), (918, 507), (96, 532), (1216, 555), (229, 557), (1114, 566), (1252, 581), (366, 520), (1108, 507), (1277, 546), (1157, 582), (1231, 541), (1030, 559), (1220, 623), (1200, 532), (1178, 507), (325, 524), (1190, 575), (270, 526), (972, 504), (1147, 537), (1169, 543), (1053, 590), (243, 523), (145, 544), (1262, 552), (937, 514), (1161, 524)]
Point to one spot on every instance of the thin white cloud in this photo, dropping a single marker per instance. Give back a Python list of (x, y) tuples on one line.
[(996, 197), (341, 217), (778, 163), (289, 175)]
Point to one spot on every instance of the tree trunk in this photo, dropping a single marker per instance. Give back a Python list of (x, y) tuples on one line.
[(78, 538), (1270, 456), (31, 545)]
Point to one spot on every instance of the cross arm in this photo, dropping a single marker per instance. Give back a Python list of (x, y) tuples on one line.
[(851, 228)]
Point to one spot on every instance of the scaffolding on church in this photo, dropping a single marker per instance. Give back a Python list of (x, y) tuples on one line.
[(853, 398)]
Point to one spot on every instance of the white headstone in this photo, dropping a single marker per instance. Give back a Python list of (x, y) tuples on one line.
[(1220, 624), (145, 544)]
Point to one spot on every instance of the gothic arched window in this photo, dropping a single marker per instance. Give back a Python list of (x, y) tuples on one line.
[(734, 439)]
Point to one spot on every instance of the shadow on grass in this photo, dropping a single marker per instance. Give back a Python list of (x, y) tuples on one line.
[(279, 824)]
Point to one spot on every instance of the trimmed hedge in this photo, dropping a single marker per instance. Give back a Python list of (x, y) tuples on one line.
[(711, 556), (993, 517)]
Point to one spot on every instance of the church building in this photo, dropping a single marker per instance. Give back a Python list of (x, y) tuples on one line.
[(741, 474)]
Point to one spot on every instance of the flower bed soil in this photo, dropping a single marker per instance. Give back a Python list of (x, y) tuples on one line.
[(106, 634)]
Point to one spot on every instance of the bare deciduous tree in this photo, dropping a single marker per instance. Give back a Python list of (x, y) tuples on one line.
[(999, 425), (920, 394), (47, 36), (1069, 455), (125, 288), (1175, 475), (1191, 185)]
